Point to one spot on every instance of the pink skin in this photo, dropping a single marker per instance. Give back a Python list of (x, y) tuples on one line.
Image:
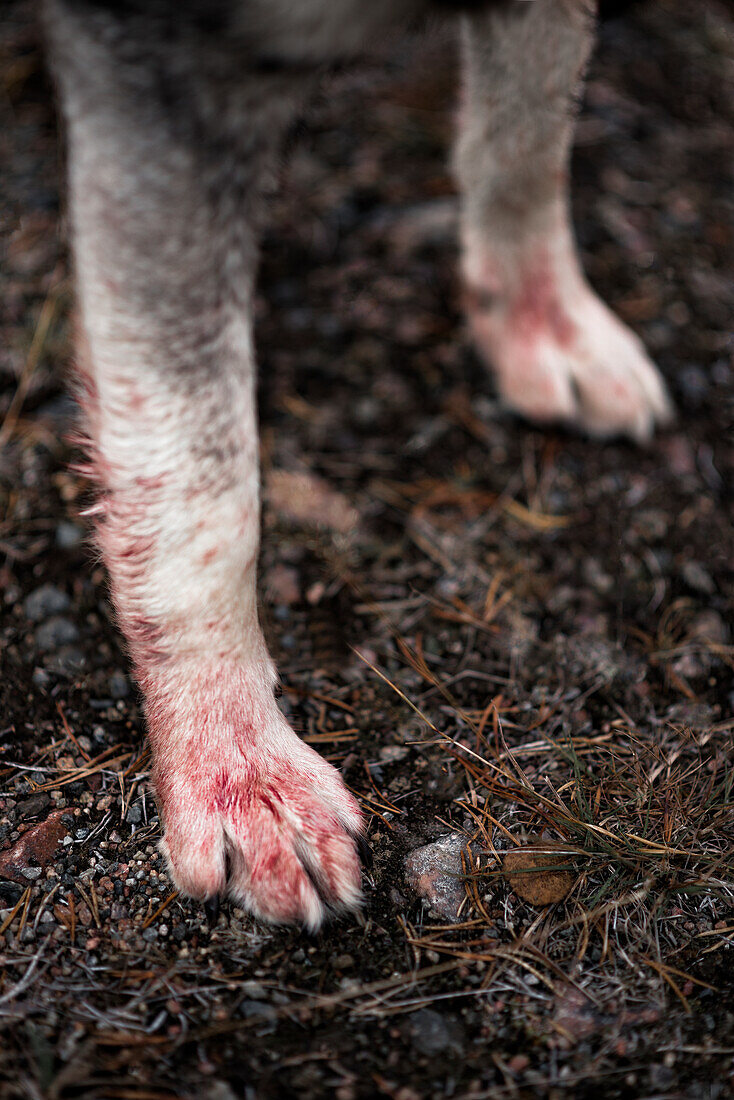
[(539, 310), (509, 324), (558, 352)]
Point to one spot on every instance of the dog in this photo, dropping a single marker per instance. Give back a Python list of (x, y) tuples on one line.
[(174, 111)]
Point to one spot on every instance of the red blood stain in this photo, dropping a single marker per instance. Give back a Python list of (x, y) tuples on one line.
[(121, 519), (136, 401), (537, 310)]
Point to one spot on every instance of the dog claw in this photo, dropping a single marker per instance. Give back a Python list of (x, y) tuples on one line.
[(211, 908), (365, 852)]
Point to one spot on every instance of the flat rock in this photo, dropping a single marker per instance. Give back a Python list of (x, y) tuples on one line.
[(435, 871), (37, 844), (575, 1016), (432, 1033), (34, 805)]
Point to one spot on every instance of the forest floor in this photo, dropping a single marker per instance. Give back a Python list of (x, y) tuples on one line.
[(497, 633)]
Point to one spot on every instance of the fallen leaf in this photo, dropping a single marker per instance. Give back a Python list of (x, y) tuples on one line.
[(306, 498), (531, 872)]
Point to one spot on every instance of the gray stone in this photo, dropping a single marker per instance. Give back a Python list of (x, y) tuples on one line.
[(44, 601), (258, 1008), (697, 578), (119, 685), (34, 805), (216, 1090), (435, 874), (68, 535), (56, 632), (68, 660), (433, 1034), (40, 678)]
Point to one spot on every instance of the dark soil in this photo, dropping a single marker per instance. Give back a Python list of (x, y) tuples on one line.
[(544, 626)]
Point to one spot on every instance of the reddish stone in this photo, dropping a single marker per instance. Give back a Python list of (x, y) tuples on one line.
[(38, 844), (574, 1014)]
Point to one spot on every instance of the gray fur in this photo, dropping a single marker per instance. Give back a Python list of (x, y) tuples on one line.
[(522, 76)]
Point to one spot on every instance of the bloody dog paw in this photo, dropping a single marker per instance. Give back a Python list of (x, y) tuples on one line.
[(250, 811)]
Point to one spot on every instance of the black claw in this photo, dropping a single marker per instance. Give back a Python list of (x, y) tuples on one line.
[(211, 908), (364, 850), (314, 876)]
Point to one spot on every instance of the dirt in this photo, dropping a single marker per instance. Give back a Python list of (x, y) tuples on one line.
[(505, 633)]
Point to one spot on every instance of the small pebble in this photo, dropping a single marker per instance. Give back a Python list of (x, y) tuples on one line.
[(69, 535), (698, 578), (56, 632), (434, 873), (45, 601), (40, 678), (433, 1033), (119, 685)]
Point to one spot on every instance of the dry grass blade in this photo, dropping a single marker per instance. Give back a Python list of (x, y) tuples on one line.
[(45, 320), (647, 827)]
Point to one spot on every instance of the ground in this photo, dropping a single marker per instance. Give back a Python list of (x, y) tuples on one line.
[(497, 633)]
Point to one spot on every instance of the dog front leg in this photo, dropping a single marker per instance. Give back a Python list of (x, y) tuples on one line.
[(165, 168)]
